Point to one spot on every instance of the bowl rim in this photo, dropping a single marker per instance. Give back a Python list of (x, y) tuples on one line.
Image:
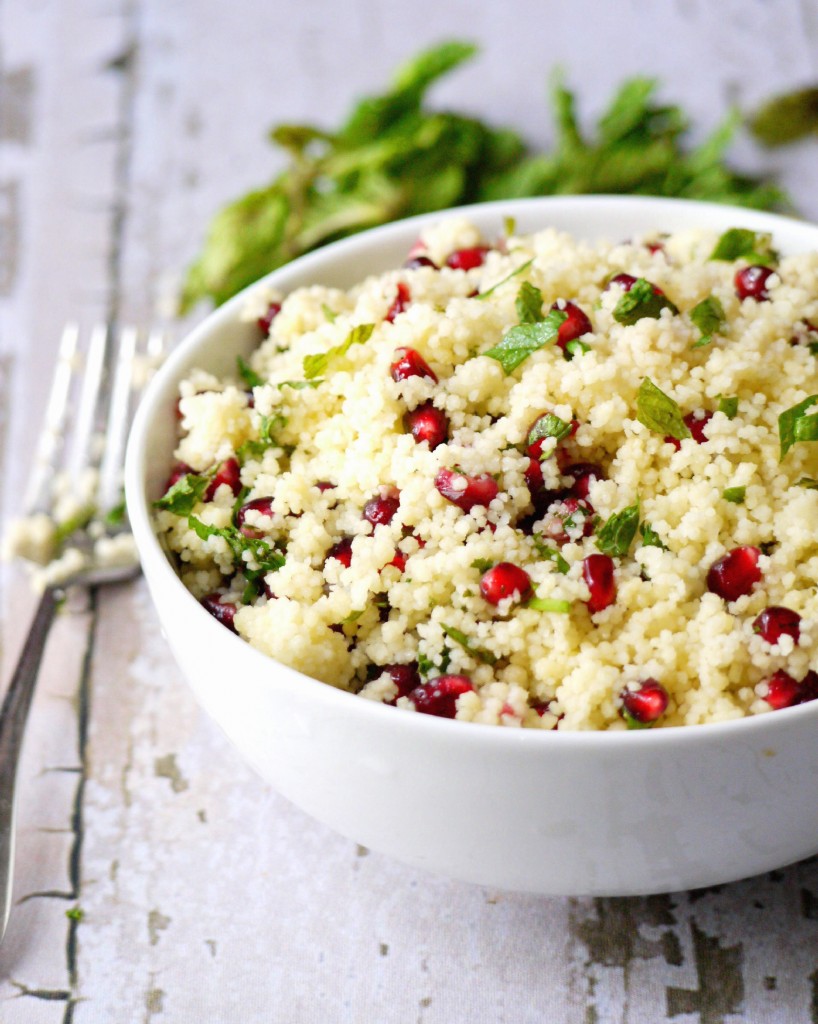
[(155, 561)]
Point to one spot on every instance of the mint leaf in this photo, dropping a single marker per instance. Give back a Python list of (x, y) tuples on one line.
[(546, 551), (741, 243), (794, 425), (548, 425), (248, 374), (807, 482), (482, 564), (659, 413), (262, 552), (548, 604), (650, 538), (316, 365), (184, 495), (525, 339), (642, 300), (616, 535), (460, 638), (735, 495), (529, 303), (299, 385), (708, 316), (729, 406), (576, 347), (787, 117), (254, 449)]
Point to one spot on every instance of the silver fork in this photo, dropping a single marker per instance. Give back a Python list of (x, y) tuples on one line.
[(98, 385)]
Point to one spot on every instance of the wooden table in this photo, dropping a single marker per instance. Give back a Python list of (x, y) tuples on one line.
[(204, 895)]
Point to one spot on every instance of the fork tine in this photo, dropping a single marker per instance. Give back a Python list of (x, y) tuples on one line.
[(118, 420), (52, 434), (83, 452)]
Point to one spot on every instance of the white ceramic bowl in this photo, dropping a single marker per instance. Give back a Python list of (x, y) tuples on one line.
[(556, 813)]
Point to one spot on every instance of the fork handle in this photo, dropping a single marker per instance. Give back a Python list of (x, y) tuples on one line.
[(13, 717)]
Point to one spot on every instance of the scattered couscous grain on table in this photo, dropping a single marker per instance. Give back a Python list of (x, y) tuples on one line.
[(530, 481)]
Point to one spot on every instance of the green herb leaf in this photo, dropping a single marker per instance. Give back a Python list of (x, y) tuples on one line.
[(642, 300), (75, 913), (299, 385), (514, 273), (729, 406), (545, 550), (650, 538), (659, 413), (634, 723), (425, 664), (795, 425), (786, 118), (116, 515), (616, 535), (807, 482), (317, 364), (509, 226), (525, 339), (184, 495), (330, 314), (735, 495), (708, 316), (248, 374), (741, 243), (255, 449), (548, 425), (482, 564), (529, 304), (262, 552), (576, 347), (548, 604), (460, 638), (78, 521)]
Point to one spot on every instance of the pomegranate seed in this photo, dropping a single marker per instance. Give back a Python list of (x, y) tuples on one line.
[(428, 423), (735, 573), (222, 611), (381, 509), (179, 470), (342, 552), (262, 505), (399, 561), (405, 677), (229, 472), (467, 259), (654, 247), (534, 479), (266, 321), (808, 688), (751, 282), (416, 262), (598, 573), (574, 326), (805, 333), (695, 424), (782, 691), (775, 622), (325, 485), (439, 696), (476, 490), (583, 474), (401, 302), (568, 519), (410, 363), (625, 281), (505, 580), (647, 703), (546, 707)]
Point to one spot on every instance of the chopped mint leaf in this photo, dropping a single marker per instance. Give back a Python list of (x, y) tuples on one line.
[(729, 406), (708, 316), (75, 913), (795, 425), (529, 304), (807, 482), (634, 723), (352, 617), (741, 243), (548, 425), (616, 535), (116, 515), (642, 300), (735, 494), (330, 314), (514, 273), (425, 664), (524, 339), (548, 604), (248, 374), (262, 552), (266, 439), (650, 538), (184, 495), (78, 521), (659, 413), (546, 551), (460, 638), (482, 564), (315, 365), (299, 385), (576, 347)]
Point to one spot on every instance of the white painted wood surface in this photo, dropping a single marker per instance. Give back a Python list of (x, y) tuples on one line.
[(205, 896)]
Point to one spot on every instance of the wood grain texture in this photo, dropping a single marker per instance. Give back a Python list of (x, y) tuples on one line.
[(124, 124)]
